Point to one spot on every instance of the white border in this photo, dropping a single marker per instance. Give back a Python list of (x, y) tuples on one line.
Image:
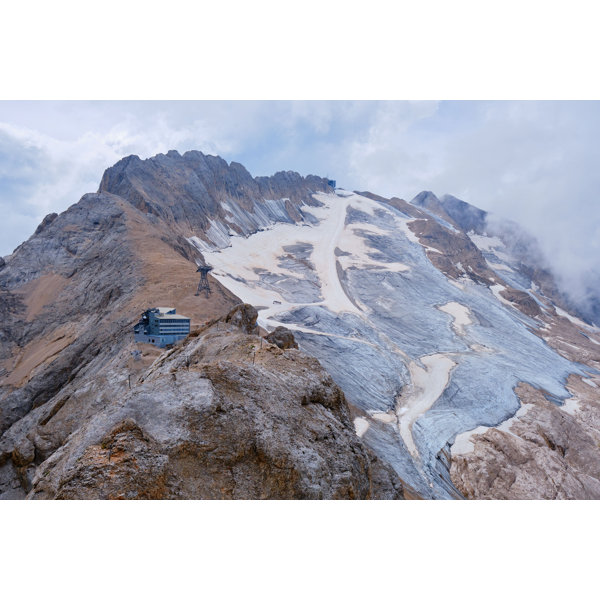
[(325, 50)]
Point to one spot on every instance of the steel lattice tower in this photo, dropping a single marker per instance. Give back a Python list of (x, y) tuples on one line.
[(203, 285)]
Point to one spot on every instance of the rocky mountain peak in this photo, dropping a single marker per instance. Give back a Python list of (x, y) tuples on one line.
[(429, 323), (467, 216), (194, 190)]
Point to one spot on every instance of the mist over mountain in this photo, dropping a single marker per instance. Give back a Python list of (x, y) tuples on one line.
[(438, 355), (579, 289), (531, 162)]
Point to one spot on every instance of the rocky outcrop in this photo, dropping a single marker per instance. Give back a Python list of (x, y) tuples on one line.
[(243, 316), (224, 415), (45, 222), (218, 417), (456, 254), (193, 191), (527, 305), (282, 337), (430, 202), (545, 452), (465, 215)]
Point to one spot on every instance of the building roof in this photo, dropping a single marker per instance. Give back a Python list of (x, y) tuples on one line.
[(167, 312), (164, 309), (172, 317)]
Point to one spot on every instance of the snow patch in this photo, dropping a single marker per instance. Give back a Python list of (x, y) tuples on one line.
[(463, 444), (403, 225), (496, 289), (460, 315), (590, 382), (384, 417), (359, 254), (499, 266), (428, 383), (486, 243), (574, 320), (360, 426), (571, 406)]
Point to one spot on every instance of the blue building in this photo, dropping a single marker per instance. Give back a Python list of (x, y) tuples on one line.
[(161, 326), (331, 183)]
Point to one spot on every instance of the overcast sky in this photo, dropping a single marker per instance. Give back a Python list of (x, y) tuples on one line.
[(535, 162)]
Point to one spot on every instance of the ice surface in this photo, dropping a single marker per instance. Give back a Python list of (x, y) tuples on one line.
[(499, 266), (356, 287)]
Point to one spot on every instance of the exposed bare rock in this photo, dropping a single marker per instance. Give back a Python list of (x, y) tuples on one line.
[(282, 337), (45, 222), (430, 202), (220, 417), (189, 191), (457, 256), (243, 316), (524, 301), (385, 484), (466, 216), (24, 453), (545, 452)]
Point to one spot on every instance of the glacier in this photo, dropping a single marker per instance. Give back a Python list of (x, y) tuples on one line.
[(422, 358)]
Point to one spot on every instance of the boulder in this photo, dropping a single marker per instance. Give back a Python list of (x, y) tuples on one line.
[(282, 337), (243, 316)]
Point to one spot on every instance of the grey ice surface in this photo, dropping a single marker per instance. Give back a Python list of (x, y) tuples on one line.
[(368, 354)]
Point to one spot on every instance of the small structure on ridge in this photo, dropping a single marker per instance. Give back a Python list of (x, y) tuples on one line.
[(203, 285), (161, 326)]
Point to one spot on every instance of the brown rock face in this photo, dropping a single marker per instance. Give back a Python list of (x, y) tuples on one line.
[(243, 316), (282, 337), (546, 453), (523, 301), (454, 248), (220, 417)]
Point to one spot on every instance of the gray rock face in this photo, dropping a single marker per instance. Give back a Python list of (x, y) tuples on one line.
[(243, 316), (45, 222), (467, 216), (193, 191), (57, 291), (219, 417)]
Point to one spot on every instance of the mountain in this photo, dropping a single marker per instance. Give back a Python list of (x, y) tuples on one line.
[(455, 365)]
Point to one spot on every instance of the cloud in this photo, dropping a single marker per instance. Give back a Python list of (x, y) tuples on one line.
[(534, 162)]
